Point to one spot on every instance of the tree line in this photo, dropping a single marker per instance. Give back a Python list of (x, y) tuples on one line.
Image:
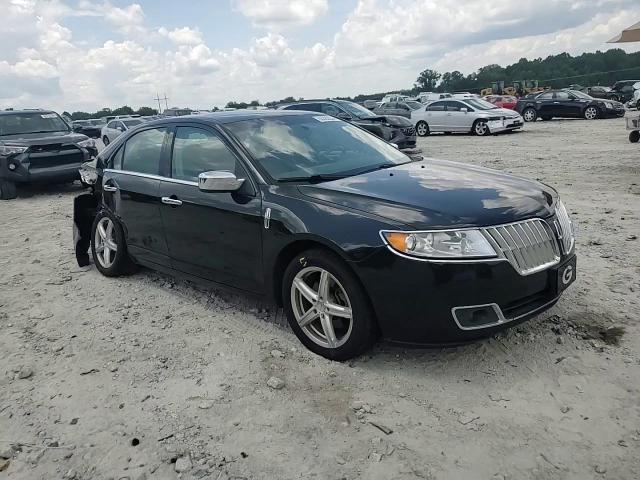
[(555, 71)]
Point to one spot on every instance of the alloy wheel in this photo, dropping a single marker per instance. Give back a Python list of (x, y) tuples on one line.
[(105, 242), (529, 115), (321, 307), (481, 128), (422, 129), (590, 113)]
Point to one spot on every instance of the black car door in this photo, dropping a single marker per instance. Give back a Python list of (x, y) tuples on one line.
[(212, 235), (567, 105), (545, 105), (131, 190)]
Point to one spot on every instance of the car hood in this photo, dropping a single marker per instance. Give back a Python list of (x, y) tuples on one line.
[(439, 194), (500, 112), (43, 138), (394, 120)]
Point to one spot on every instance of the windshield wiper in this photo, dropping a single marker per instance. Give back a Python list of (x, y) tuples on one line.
[(314, 178)]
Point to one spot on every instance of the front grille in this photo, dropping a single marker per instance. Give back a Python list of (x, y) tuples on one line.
[(529, 246), (53, 155), (409, 131), (564, 227)]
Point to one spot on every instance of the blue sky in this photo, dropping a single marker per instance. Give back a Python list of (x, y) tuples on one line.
[(86, 54)]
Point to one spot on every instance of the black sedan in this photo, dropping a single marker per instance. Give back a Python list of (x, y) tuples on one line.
[(566, 104), (90, 128), (352, 237)]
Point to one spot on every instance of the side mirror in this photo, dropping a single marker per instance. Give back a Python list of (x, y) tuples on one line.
[(343, 116), (463, 109), (120, 129), (219, 181)]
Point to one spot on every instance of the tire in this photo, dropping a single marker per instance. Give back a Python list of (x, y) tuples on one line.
[(105, 140), (8, 190), (117, 263), (634, 136), (480, 128), (422, 128), (530, 114), (591, 113), (638, 105), (546, 118), (344, 294)]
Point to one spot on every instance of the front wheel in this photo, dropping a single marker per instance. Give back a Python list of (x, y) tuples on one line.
[(327, 307), (8, 190), (591, 113), (481, 128), (108, 246), (530, 115), (105, 140), (634, 136), (422, 129)]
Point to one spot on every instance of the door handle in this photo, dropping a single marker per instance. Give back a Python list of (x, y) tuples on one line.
[(556, 102), (109, 188), (171, 201)]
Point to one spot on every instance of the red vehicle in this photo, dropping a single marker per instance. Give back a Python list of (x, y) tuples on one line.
[(502, 101)]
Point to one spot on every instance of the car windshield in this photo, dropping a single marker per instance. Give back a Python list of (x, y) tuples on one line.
[(97, 122), (308, 147), (131, 123), (355, 109), (36, 122), (414, 105), (480, 104), (579, 94)]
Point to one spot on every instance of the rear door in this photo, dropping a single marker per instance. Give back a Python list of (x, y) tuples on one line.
[(212, 235), (545, 105), (131, 188), (435, 116)]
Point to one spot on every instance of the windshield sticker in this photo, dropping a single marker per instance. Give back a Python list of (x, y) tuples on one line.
[(49, 115), (326, 118)]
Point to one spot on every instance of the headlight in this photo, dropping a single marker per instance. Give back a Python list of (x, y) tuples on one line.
[(11, 149), (88, 143), (452, 244), (608, 104)]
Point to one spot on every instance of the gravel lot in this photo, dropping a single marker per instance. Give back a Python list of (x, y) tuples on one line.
[(152, 377)]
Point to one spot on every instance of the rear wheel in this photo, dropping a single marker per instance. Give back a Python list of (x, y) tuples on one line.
[(8, 190), (530, 115), (105, 140), (422, 129), (327, 307), (591, 113), (481, 128), (108, 246), (634, 137)]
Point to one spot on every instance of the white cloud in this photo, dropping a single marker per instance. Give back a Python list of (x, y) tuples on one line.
[(182, 36), (128, 20), (277, 14)]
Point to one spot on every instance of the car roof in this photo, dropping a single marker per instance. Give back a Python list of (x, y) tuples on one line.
[(11, 112), (221, 118)]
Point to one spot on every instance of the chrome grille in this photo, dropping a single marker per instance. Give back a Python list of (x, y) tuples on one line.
[(565, 228), (529, 246)]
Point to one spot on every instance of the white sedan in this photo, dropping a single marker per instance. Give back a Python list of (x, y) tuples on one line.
[(115, 128), (468, 115)]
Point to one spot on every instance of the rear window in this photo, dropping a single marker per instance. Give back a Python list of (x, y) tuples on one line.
[(36, 122)]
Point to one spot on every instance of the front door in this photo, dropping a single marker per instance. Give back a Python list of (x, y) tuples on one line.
[(131, 190), (456, 120), (568, 105), (212, 235)]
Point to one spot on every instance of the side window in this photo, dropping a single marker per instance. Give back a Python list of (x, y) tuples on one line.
[(143, 150), (196, 150), (111, 125), (562, 96), (436, 107), (545, 96), (453, 106), (116, 160), (330, 109)]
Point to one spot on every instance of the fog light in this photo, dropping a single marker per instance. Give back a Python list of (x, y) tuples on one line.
[(12, 166)]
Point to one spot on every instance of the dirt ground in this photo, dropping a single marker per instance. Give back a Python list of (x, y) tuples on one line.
[(153, 377)]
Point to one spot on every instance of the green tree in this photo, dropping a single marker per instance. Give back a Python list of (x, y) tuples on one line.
[(146, 111), (427, 80)]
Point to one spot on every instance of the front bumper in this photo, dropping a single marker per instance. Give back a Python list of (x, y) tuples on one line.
[(614, 112), (418, 302), (497, 126), (31, 167), (404, 137)]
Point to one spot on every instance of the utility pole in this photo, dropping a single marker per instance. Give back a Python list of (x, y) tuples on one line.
[(166, 105), (158, 100)]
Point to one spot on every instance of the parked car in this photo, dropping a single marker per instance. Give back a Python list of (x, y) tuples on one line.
[(351, 236), (115, 128), (428, 97), (39, 146), (469, 115), (402, 109), (634, 102), (623, 90), (502, 101), (394, 97), (90, 128), (567, 104), (599, 91), (392, 128)]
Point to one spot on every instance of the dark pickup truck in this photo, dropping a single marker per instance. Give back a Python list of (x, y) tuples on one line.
[(39, 146)]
